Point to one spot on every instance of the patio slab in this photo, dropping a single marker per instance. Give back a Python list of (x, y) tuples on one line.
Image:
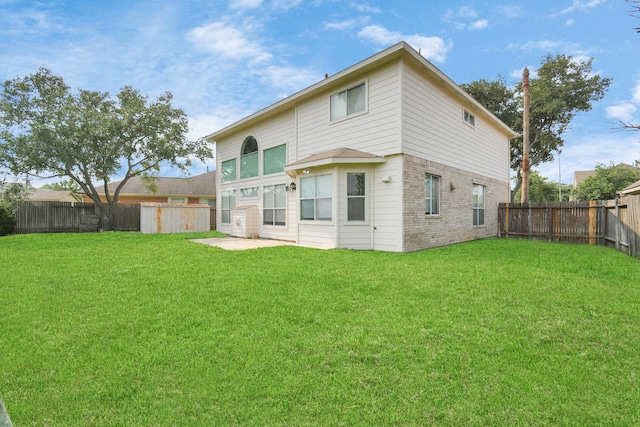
[(239, 244)]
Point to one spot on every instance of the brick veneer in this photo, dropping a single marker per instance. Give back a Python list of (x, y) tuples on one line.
[(455, 222)]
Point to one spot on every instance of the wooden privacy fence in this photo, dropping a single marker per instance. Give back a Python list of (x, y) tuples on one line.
[(71, 217), (74, 217), (614, 223)]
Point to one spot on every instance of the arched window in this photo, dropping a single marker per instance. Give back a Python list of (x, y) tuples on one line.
[(249, 158)]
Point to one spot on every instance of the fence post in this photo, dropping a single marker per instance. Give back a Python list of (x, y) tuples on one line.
[(593, 215), (506, 221)]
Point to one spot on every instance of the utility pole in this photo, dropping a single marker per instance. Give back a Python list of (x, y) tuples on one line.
[(525, 138)]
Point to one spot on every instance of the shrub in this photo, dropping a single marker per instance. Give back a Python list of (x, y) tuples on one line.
[(7, 221)]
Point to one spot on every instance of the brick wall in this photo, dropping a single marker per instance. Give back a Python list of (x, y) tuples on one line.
[(455, 222)]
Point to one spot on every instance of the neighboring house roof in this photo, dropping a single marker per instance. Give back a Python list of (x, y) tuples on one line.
[(579, 176), (203, 185), (397, 51), (54, 196), (631, 189)]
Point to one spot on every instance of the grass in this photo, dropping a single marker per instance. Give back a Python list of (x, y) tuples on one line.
[(120, 329)]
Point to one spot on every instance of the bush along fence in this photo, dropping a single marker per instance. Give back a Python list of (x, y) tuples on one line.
[(614, 223), (74, 217)]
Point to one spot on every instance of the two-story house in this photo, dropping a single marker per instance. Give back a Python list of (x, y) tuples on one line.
[(389, 154)]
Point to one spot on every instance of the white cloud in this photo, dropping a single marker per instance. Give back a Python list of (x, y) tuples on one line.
[(363, 7), (623, 112), (226, 40), (583, 153), (433, 48), (510, 11), (245, 4), (465, 17), (480, 24), (635, 93), (287, 77), (568, 22), (341, 25), (579, 5)]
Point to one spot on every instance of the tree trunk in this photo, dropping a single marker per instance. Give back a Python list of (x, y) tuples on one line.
[(108, 217)]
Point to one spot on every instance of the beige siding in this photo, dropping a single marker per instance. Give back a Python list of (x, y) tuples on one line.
[(433, 129), (271, 133), (377, 131), (355, 235), (387, 206)]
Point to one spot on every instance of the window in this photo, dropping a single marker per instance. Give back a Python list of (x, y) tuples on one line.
[(432, 195), (229, 170), (478, 204), (177, 200), (210, 202), (275, 202), (355, 197), (469, 118), (249, 158), (315, 198), (274, 159), (246, 193), (228, 202), (347, 102)]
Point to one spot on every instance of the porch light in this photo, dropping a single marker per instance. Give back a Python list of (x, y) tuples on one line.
[(292, 186), (306, 170)]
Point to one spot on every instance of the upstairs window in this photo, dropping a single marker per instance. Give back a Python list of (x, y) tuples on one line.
[(348, 102), (249, 158), (469, 118), (229, 170), (274, 159)]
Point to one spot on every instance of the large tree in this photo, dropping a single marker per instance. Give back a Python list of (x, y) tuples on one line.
[(607, 182), (563, 86), (47, 131)]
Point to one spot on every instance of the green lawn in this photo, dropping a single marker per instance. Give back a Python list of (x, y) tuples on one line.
[(124, 329)]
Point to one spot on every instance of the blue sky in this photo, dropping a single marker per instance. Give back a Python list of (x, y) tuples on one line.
[(223, 60)]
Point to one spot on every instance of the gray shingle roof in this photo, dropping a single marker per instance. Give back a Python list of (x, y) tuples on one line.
[(199, 185)]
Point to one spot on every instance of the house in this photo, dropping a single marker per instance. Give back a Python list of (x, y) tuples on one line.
[(54, 196), (389, 154), (631, 189), (196, 189)]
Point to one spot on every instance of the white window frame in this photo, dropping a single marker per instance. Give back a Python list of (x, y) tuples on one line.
[(468, 118), (229, 178), (315, 199), (181, 200), (429, 195), (479, 205), (363, 197), (208, 201), (244, 193), (244, 172), (274, 208), (226, 196), (346, 91)]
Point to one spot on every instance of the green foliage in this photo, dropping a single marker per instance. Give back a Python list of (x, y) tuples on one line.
[(65, 185), (542, 190), (7, 221), (607, 182), (172, 333), (89, 137), (564, 86)]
